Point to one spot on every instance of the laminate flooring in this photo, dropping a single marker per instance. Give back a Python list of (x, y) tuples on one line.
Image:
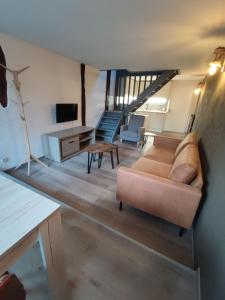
[(94, 195)]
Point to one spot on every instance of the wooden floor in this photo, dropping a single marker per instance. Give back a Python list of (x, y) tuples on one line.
[(102, 265), (95, 196)]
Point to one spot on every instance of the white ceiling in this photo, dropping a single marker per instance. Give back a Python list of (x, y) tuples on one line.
[(131, 34)]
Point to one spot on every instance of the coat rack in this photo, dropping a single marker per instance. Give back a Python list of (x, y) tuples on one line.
[(17, 84)]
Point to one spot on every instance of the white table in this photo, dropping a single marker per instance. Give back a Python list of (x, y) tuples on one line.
[(25, 218)]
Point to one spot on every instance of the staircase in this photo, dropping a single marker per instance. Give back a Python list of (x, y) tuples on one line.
[(108, 126), (132, 90), (145, 88)]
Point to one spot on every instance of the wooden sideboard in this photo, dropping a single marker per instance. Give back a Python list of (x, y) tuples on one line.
[(63, 144)]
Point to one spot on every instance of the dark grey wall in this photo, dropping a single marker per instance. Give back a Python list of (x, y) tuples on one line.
[(209, 234)]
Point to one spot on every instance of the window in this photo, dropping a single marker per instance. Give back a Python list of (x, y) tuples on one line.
[(156, 104)]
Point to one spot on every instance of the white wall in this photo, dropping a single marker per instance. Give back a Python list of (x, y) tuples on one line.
[(155, 121), (95, 95), (51, 79), (181, 103)]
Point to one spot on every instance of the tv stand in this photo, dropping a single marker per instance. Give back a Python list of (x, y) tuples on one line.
[(64, 144)]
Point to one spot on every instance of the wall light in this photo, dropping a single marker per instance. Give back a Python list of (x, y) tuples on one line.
[(218, 61), (213, 68), (200, 87), (197, 91)]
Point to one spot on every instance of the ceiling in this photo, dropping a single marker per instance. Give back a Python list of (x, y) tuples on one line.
[(131, 34)]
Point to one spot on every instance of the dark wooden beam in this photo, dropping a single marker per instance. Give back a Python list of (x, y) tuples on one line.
[(83, 95), (134, 86), (128, 96), (116, 90), (107, 89)]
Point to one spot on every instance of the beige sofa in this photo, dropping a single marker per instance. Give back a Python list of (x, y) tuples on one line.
[(166, 181)]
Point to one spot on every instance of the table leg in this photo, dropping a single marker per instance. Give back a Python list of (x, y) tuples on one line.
[(90, 161), (111, 155), (145, 139), (88, 170), (50, 239), (100, 155), (117, 155)]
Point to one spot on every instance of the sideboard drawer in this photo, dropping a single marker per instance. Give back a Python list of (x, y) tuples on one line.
[(70, 146)]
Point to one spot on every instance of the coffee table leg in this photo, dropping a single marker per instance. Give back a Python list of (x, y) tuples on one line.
[(99, 159), (89, 162), (117, 155), (111, 154), (88, 170)]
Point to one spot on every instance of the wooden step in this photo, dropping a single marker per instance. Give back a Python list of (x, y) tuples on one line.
[(112, 118), (105, 129)]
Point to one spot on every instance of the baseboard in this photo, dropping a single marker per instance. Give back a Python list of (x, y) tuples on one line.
[(198, 284)]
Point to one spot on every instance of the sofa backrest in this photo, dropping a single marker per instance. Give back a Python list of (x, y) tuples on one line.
[(191, 138), (186, 164), (198, 181), (135, 122)]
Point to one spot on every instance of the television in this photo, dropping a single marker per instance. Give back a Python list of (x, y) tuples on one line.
[(66, 112)]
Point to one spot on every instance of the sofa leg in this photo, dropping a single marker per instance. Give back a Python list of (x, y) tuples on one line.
[(120, 205), (181, 231)]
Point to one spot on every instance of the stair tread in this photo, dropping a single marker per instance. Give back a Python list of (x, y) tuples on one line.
[(104, 135), (109, 125), (111, 118), (105, 129)]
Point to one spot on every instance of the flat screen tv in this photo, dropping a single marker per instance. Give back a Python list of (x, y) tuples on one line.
[(66, 112)]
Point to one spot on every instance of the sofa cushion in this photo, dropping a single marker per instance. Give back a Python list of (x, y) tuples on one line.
[(185, 166), (191, 138), (160, 154), (152, 167)]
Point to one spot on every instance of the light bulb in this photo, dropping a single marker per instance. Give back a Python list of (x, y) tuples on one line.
[(213, 67), (197, 91)]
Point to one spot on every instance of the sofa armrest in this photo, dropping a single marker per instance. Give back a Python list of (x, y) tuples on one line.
[(123, 128), (169, 200), (141, 132), (166, 142)]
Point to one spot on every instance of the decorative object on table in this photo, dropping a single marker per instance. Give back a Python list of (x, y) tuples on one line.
[(21, 104), (3, 82), (99, 149), (134, 130)]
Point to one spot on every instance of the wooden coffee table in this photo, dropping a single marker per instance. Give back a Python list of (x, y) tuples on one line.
[(99, 149), (114, 147)]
